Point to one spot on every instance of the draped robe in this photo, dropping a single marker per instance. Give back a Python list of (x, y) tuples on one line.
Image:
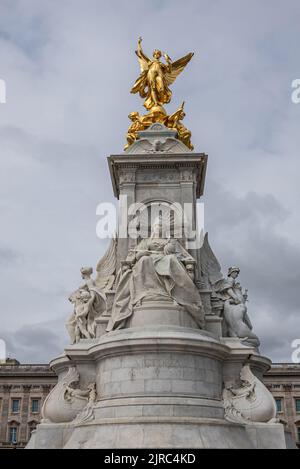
[(155, 277)]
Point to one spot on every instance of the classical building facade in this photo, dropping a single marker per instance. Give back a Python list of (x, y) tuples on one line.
[(23, 389), (283, 380)]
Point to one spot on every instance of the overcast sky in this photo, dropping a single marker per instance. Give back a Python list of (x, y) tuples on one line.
[(68, 67)]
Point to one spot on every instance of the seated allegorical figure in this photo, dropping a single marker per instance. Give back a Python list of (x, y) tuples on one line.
[(156, 270), (174, 122), (235, 310), (139, 123)]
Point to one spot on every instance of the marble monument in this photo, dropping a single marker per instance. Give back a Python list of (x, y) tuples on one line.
[(162, 352)]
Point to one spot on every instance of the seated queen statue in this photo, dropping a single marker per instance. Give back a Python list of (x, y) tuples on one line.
[(158, 269)]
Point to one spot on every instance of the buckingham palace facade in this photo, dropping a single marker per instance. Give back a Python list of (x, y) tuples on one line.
[(23, 389)]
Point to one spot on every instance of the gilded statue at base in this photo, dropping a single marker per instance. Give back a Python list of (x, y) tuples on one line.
[(173, 121), (138, 123), (153, 84)]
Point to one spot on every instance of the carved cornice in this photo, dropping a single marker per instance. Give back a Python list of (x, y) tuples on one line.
[(27, 387), (47, 387), (7, 387), (127, 176), (191, 166), (187, 175), (14, 419), (287, 386)]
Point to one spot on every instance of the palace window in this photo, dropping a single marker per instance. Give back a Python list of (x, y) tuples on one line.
[(13, 434), (278, 402), (298, 432), (35, 406), (297, 404), (276, 386), (15, 406)]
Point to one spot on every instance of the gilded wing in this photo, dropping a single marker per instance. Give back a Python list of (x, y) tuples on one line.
[(177, 67), (143, 60), (141, 81), (210, 267), (106, 267)]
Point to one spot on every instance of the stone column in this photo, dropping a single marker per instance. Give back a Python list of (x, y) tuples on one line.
[(24, 413), (188, 196), (127, 185), (289, 407), (5, 411)]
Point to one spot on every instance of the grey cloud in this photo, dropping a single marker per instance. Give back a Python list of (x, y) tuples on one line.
[(36, 343), (8, 256), (69, 69), (246, 232)]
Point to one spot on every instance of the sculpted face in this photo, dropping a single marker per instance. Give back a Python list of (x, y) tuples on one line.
[(133, 116), (157, 54), (86, 272), (85, 296), (234, 274)]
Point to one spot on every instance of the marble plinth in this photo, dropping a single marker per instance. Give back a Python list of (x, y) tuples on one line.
[(158, 386)]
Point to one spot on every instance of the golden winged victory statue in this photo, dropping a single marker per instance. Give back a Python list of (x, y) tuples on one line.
[(153, 85)]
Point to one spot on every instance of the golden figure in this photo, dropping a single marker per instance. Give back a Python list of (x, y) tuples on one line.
[(174, 122), (138, 123), (153, 84), (156, 76)]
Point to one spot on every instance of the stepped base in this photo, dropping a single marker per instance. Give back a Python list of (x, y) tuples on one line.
[(163, 433), (158, 386)]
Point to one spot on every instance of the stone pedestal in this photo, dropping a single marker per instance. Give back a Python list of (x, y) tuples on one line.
[(158, 386), (214, 324)]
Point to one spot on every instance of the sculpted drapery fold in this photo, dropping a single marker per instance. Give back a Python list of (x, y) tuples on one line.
[(155, 271)]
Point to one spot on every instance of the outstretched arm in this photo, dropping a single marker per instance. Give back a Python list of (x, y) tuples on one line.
[(139, 47), (143, 60), (169, 62)]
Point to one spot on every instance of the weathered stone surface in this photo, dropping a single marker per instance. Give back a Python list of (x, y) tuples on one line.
[(267, 436)]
